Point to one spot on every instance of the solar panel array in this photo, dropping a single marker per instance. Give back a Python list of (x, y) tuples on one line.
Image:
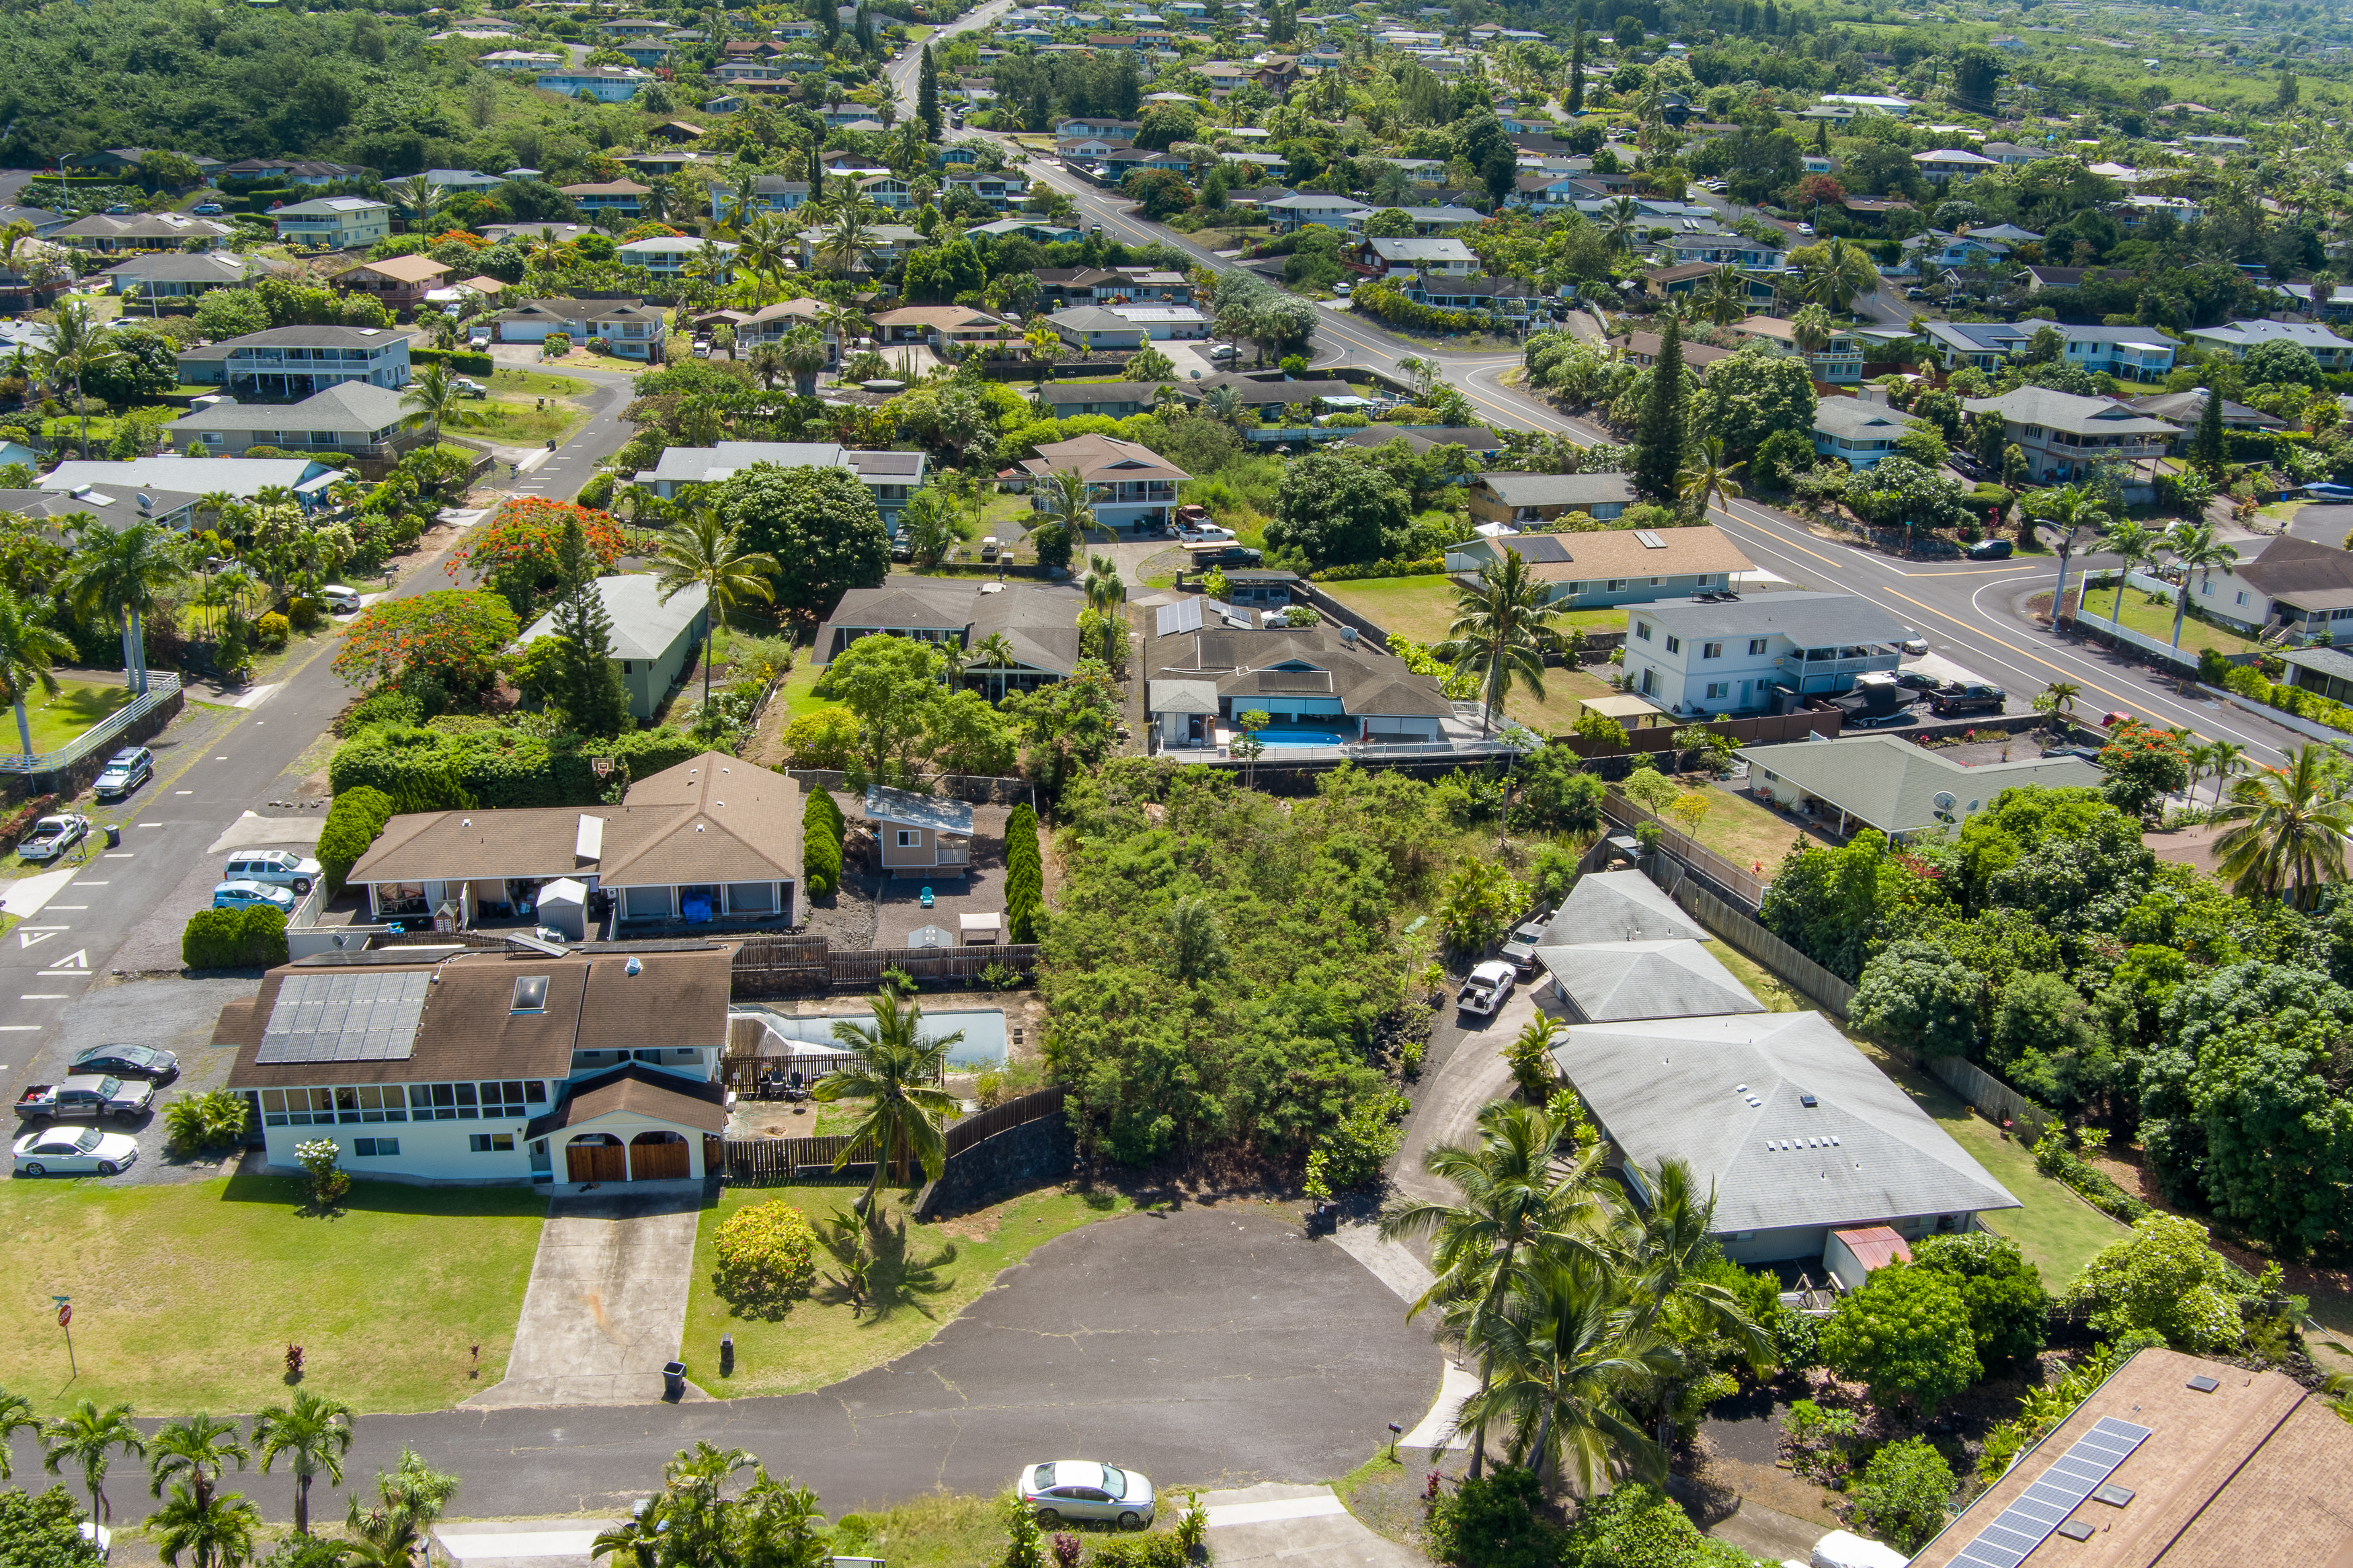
[(344, 1017), (1184, 615), (2059, 1491)]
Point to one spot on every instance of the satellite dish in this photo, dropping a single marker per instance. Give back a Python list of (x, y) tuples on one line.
[(1943, 800), (146, 502)]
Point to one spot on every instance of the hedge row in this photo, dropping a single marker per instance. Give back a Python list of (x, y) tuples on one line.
[(352, 824), (1385, 302), (460, 360), (495, 768), (1025, 878), (252, 937), (2303, 703), (821, 829), (1427, 566)]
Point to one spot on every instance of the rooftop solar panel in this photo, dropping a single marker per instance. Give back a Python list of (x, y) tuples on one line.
[(2056, 1493), (344, 1017)]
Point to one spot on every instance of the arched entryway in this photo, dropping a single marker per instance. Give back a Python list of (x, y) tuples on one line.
[(595, 1157), (659, 1157)]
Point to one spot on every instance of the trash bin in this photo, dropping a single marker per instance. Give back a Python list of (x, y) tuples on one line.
[(673, 1380), (113, 834), (726, 1355)]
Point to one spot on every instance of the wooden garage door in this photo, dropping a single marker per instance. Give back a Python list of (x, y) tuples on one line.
[(595, 1163), (659, 1161)]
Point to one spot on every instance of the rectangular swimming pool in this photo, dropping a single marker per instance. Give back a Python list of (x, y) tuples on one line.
[(1303, 735)]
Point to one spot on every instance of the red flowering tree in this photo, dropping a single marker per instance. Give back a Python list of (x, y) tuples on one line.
[(454, 635), (2144, 765), (516, 550), (463, 237), (1819, 188)]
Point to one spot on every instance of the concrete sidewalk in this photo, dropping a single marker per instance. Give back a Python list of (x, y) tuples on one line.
[(606, 1302), (1299, 1527)]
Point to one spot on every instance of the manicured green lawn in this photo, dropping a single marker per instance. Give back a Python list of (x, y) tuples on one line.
[(535, 384), (185, 1296), (2156, 621), (513, 423), (1738, 828), (1564, 699), (925, 1276), (1423, 607), (1762, 984), (78, 705), (2057, 1231)]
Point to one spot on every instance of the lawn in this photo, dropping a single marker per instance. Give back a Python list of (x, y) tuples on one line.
[(925, 1276), (513, 423), (956, 1530), (1423, 607), (2156, 621), (535, 384), (78, 705), (185, 1296), (1777, 995), (1738, 828), (1564, 692), (2057, 1231)]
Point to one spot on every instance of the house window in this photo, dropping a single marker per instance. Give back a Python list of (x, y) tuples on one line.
[(1716, 689), (491, 1142), (1649, 682), (2207, 587), (1617, 585), (1642, 628), (374, 1148), (1674, 644), (1755, 647), (2242, 597), (1711, 650), (910, 838)]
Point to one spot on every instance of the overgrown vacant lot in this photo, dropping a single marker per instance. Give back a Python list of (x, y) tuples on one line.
[(185, 1296)]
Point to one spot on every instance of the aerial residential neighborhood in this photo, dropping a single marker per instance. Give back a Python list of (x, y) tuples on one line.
[(939, 785)]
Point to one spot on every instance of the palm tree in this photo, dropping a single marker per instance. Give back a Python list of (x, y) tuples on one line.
[(767, 362), (216, 1531), (197, 1448), (314, 1434), (1620, 220), (764, 241), (2194, 549), (802, 352), (2132, 545), (1105, 593), (898, 1070), (1843, 271), (29, 651), (78, 343), (2288, 832), (1708, 477), (382, 1538), (86, 1436), (743, 197), (1429, 374), (2068, 509), (1562, 1354), (703, 549), (1515, 1205), (15, 1416), (420, 197), (2225, 759), (2058, 699), (1657, 1252), (118, 575), (1503, 627), (1223, 404), (849, 242), (430, 398), (1068, 505), (994, 652), (1723, 298)]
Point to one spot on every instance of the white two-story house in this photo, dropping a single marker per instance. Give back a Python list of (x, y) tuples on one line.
[(1719, 654)]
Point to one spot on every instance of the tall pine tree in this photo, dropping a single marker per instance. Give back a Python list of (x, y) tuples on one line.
[(593, 697), (927, 95), (1576, 69), (1664, 430), (2207, 454)]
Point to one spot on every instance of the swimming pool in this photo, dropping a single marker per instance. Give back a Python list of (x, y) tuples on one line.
[(1302, 735)]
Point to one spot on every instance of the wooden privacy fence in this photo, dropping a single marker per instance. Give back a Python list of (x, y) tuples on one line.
[(774, 1160), (1819, 985), (785, 965), (1763, 730), (1738, 882), (742, 1073), (1013, 1113), (778, 965)]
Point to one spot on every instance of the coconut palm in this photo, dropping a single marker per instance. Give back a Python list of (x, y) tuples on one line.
[(1503, 628), (1429, 374), (1724, 298), (119, 576), (314, 1433), (1069, 504), (431, 399), (29, 651), (87, 1438), (412, 1492), (1707, 476), (1658, 1253), (763, 242), (802, 351), (850, 243), (1518, 1201), (215, 1531), (78, 343), (2225, 759), (1105, 593), (994, 652), (1620, 220), (743, 197), (2132, 545), (2194, 549), (702, 551), (15, 1416), (2058, 699), (2068, 509), (898, 1071), (1223, 404), (195, 1449), (420, 198), (1842, 272), (383, 1538), (767, 362), (2289, 829)]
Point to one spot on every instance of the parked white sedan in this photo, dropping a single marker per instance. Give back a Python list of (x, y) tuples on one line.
[(1084, 1490), (74, 1152)]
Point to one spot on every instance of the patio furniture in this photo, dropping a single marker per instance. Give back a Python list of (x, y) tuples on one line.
[(927, 898), (794, 1089)]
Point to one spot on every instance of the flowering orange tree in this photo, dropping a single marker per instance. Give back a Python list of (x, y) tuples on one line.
[(515, 550), (2144, 765), (463, 237), (454, 635)]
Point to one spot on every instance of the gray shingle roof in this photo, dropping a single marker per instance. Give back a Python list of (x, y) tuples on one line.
[(1614, 980), (1558, 490), (1852, 416), (897, 806), (2065, 411), (1673, 1090), (643, 626), (1619, 906), (1893, 784)]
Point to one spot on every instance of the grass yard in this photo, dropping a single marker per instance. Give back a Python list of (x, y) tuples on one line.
[(535, 384), (1423, 607), (1738, 828), (1564, 699), (185, 1296), (512, 423), (2058, 1232), (78, 705), (1777, 995), (955, 1529), (2156, 621), (926, 1275)]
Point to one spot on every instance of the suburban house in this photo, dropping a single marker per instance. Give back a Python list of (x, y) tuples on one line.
[(1721, 654), (1132, 488), (1794, 1130), (889, 477), (633, 329), (116, 509), (1521, 500), (1886, 784), (624, 196), (2129, 354), (1038, 624), (1840, 360), (605, 84), (2305, 587), (1614, 982), (333, 223), (713, 839), (666, 255), (2172, 1460), (243, 478), (354, 419), (1613, 566), (891, 242), (2237, 338), (603, 1066), (1619, 906), (1093, 329), (1118, 399), (1455, 292), (139, 233), (920, 835), (1451, 256), (1306, 207), (297, 361), (653, 639), (1859, 432), (179, 276), (2065, 437), (1642, 349), (1952, 164), (770, 194), (2327, 670), (1420, 439), (1665, 282), (1719, 247), (2186, 409), (939, 326), (1210, 664), (400, 281)]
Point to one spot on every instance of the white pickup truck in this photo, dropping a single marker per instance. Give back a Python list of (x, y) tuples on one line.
[(1489, 986)]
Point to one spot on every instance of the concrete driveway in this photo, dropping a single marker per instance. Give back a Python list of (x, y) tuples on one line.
[(607, 1301)]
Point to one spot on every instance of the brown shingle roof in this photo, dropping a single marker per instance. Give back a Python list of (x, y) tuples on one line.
[(641, 1091), (1617, 553), (400, 268)]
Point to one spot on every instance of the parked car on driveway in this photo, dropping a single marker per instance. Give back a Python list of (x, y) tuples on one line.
[(243, 895), (124, 772), (52, 836), (127, 1061), (1489, 986), (341, 601), (1085, 1490), (1965, 697), (278, 868), (74, 1152), (87, 1097)]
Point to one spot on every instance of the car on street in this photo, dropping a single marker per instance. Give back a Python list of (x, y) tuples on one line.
[(278, 868), (52, 836), (1965, 697), (1085, 1490), (74, 1152), (1916, 645), (1489, 987), (341, 601), (206, 209), (124, 772), (1990, 550), (1344, 290), (1916, 292), (127, 1061), (245, 895)]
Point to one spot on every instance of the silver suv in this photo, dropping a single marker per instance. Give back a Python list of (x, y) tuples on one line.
[(276, 868)]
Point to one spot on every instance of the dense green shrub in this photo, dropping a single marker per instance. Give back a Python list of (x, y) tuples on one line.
[(499, 767), (386, 706), (353, 823), (1494, 1521), (209, 1121), (1636, 1526), (1025, 883), (1906, 1334), (1902, 1494), (767, 1255), (1161, 1550), (821, 831), (462, 361), (2003, 1292), (233, 939), (43, 1529)]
